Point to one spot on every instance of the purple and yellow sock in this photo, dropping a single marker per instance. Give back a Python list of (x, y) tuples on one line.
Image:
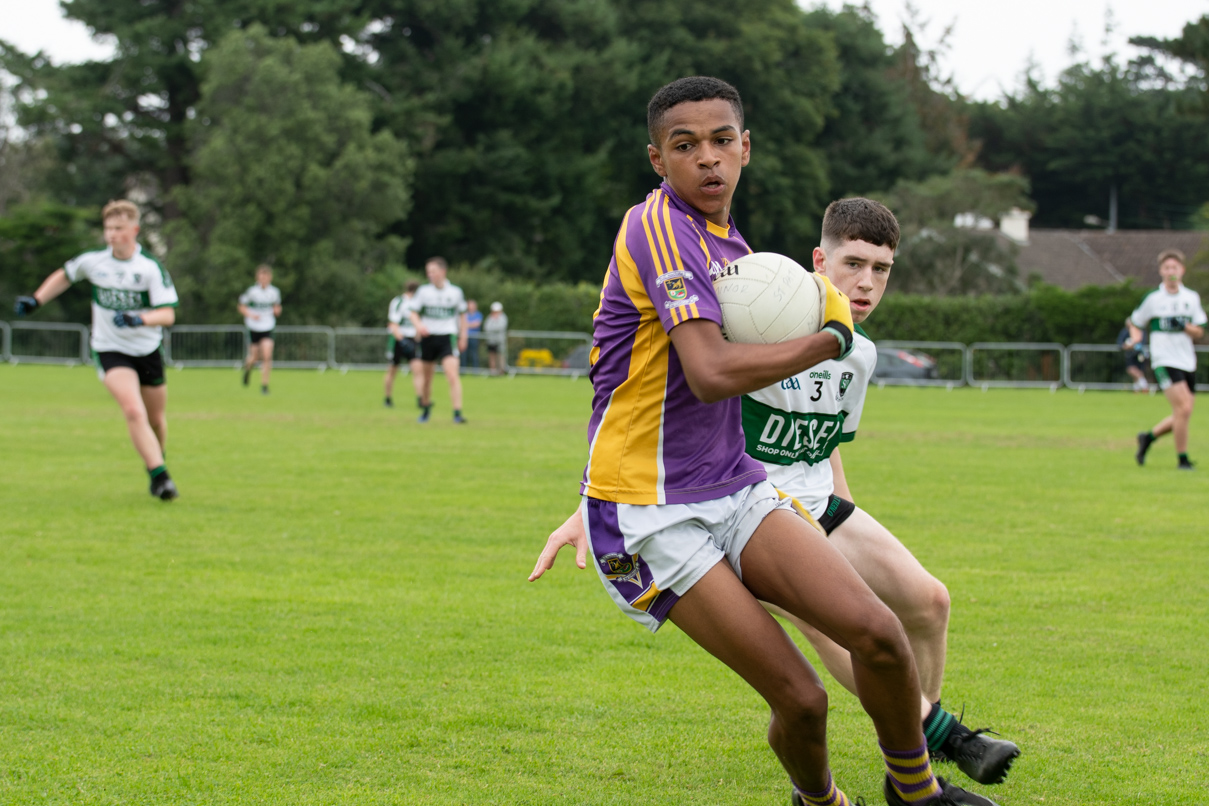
[(911, 774), (830, 796)]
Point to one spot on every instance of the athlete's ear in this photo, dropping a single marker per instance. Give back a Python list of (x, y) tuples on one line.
[(656, 160), (819, 259), (745, 138)]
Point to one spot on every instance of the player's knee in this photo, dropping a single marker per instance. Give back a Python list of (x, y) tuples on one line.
[(802, 708), (930, 611), (881, 642)]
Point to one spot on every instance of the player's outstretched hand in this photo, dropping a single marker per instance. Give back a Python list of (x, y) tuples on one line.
[(837, 315), (124, 319), (25, 305), (571, 533)]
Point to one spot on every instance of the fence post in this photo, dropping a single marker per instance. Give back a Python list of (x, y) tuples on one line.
[(6, 342)]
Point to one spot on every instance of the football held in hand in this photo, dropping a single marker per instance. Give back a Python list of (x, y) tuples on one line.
[(768, 298)]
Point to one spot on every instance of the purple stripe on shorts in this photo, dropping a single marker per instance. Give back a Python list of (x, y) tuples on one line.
[(629, 575)]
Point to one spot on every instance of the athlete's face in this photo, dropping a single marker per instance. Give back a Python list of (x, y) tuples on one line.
[(1172, 272), (263, 278), (859, 269), (121, 234), (435, 273), (701, 154)]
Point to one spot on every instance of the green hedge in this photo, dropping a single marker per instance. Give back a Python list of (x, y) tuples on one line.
[(1094, 314)]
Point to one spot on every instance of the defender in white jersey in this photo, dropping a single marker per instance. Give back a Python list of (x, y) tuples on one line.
[(401, 348), (1173, 316), (260, 306), (796, 428), (438, 312), (132, 301)]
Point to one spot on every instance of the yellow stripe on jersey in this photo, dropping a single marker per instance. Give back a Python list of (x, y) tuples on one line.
[(627, 438), (651, 221)]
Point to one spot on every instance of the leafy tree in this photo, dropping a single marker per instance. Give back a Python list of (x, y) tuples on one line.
[(285, 169), (35, 239), (1114, 127), (935, 255)]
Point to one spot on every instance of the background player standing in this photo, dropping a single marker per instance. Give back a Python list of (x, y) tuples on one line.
[(133, 299), (681, 523), (438, 312), (260, 306), (402, 347), (1174, 317)]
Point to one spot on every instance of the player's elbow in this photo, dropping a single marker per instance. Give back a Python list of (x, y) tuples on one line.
[(169, 317), (707, 386)]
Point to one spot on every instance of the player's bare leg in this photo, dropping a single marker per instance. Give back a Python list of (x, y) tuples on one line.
[(123, 384), (155, 400), (1181, 399), (388, 384), (451, 366), (834, 598), (721, 615), (417, 381), (250, 361), (266, 362)]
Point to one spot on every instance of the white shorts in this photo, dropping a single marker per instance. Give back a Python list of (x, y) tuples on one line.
[(649, 556)]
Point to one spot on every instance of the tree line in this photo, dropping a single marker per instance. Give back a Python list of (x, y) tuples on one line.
[(345, 140)]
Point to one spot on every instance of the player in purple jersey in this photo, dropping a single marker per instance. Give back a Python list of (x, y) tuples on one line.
[(682, 524)]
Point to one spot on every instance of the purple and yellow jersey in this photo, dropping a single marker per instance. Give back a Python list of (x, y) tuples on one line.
[(651, 440)]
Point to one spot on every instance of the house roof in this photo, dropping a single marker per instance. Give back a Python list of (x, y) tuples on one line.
[(1072, 258)]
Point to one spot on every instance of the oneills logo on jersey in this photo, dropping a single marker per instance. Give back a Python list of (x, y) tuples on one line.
[(619, 567), (845, 381), (717, 271)]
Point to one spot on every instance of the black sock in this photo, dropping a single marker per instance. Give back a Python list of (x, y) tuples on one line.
[(457, 413), (938, 726), (419, 402), (1184, 460), (156, 472), (388, 401)]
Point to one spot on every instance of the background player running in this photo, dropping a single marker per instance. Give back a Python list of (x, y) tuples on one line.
[(402, 348), (260, 306), (795, 428), (438, 312), (681, 523), (133, 299), (1174, 317)]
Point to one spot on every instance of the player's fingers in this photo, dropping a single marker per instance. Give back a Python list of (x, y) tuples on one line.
[(545, 560), (581, 553)]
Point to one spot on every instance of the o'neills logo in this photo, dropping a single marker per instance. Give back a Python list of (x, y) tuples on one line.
[(717, 271)]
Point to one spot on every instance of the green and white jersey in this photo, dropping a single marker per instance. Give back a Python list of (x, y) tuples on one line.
[(260, 303), (1164, 315), (399, 313), (439, 308), (794, 426), (135, 285)]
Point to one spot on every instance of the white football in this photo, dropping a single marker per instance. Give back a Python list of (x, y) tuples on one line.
[(768, 298)]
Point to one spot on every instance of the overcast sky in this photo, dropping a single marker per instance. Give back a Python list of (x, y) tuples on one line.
[(988, 49)]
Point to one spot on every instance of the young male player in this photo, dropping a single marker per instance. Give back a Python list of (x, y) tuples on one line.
[(438, 313), (795, 428), (402, 346), (132, 300), (681, 522), (260, 306), (1174, 317)]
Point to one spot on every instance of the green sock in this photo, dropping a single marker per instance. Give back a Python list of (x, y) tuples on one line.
[(938, 724), (1151, 435), (157, 471), (1184, 457)]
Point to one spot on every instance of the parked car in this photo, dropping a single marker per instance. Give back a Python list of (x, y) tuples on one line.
[(895, 362)]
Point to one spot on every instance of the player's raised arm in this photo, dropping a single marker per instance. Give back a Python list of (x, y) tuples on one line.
[(51, 287), (571, 533)]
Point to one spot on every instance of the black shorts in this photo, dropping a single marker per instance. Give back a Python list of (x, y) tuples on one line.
[(838, 510), (493, 348), (1132, 359), (436, 348), (403, 351), (150, 367), (257, 335), (1166, 376)]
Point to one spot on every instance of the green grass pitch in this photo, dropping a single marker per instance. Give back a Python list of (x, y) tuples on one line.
[(336, 612)]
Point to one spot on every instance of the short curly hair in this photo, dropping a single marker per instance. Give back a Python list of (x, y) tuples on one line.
[(686, 90), (859, 219)]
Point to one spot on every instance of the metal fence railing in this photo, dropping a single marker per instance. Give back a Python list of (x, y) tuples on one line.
[(1013, 364), (542, 352), (205, 345), (949, 369), (48, 343)]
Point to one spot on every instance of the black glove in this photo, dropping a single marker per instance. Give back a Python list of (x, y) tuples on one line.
[(123, 319), (25, 305)]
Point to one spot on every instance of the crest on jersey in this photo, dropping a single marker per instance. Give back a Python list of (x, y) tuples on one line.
[(618, 567), (675, 289), (845, 382), (137, 277)]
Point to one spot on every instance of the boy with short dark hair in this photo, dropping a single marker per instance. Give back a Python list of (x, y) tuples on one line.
[(682, 524)]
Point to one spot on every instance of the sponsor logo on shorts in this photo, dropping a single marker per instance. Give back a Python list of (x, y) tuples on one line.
[(618, 567), (681, 303)]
